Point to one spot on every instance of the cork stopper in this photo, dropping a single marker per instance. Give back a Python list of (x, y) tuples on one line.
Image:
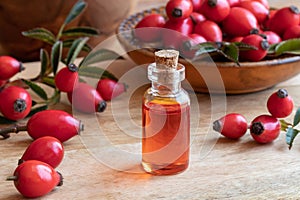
[(166, 58)]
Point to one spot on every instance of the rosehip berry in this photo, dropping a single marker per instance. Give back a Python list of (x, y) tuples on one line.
[(209, 30), (15, 103), (66, 78), (188, 43), (215, 10), (239, 22), (257, 41), (233, 3), (272, 37), (197, 17), (258, 9), (280, 104), (9, 66), (197, 4), (55, 123), (87, 99), (179, 9), (265, 128), (46, 149), (292, 32), (34, 178), (109, 89), (148, 29), (232, 125), (289, 15)]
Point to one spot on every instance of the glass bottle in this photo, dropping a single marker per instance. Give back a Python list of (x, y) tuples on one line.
[(166, 117)]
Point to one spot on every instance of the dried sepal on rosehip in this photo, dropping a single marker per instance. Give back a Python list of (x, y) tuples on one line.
[(232, 125)]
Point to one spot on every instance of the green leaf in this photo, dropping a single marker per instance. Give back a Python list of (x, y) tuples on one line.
[(95, 72), (290, 136), (99, 56), (284, 125), (206, 47), (75, 49), (75, 11), (44, 57), (55, 97), (244, 47), (272, 48), (37, 109), (291, 46), (68, 44), (49, 80), (40, 34), (296, 117), (80, 32), (56, 54), (36, 88), (230, 51)]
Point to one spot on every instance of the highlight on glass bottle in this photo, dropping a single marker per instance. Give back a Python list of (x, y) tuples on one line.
[(166, 117)]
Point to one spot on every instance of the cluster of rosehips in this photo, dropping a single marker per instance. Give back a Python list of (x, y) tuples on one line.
[(15, 101), (194, 22), (264, 128), (35, 175), (84, 97)]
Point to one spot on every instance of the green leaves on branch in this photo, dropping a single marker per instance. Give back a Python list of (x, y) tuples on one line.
[(74, 39), (291, 47), (290, 129)]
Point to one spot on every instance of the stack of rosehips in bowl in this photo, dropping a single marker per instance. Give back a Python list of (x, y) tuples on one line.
[(193, 22), (264, 128), (83, 96)]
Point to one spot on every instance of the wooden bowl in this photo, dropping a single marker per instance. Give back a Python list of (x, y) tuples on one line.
[(214, 77)]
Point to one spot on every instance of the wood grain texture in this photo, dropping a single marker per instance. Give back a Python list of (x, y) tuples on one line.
[(219, 168)]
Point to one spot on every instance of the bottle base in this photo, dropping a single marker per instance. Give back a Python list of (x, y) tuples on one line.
[(164, 169)]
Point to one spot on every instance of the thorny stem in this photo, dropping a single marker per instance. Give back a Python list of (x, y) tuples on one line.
[(5, 132)]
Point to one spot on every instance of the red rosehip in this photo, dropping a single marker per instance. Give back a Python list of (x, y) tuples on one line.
[(9, 66), (210, 31), (179, 9), (87, 99), (272, 37), (265, 128), (109, 89), (66, 78), (148, 29), (215, 10), (188, 43), (46, 149), (15, 102), (34, 178), (258, 54), (292, 32), (232, 125), (289, 15), (280, 104)]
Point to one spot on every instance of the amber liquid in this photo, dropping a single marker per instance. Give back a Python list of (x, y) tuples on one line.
[(166, 138)]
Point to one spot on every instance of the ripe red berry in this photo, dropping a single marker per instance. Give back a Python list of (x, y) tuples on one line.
[(258, 9), (35, 178), (87, 99), (179, 9), (15, 103), (197, 17), (280, 104), (272, 37), (284, 18), (148, 29), (188, 43), (292, 32), (232, 125), (258, 54), (109, 89), (215, 10), (209, 30), (46, 149), (265, 128), (66, 78), (9, 66), (55, 123), (239, 22)]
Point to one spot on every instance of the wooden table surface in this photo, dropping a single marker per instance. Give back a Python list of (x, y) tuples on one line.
[(104, 161)]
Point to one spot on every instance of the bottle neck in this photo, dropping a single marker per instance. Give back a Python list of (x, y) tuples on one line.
[(166, 81)]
